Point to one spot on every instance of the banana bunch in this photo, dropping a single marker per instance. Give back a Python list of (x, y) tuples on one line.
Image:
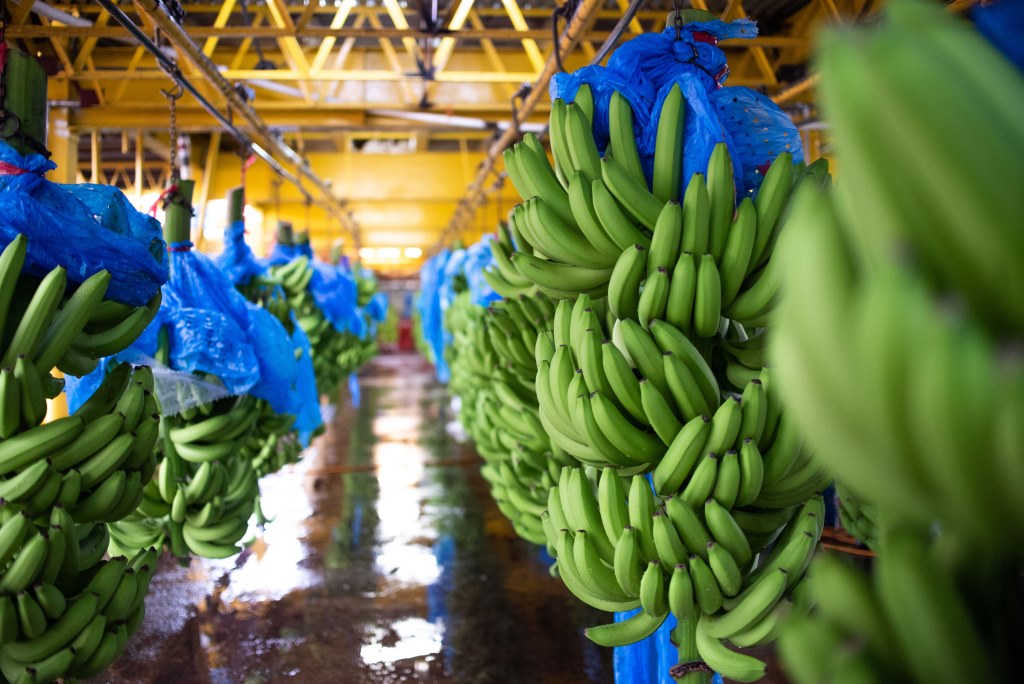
[(204, 491), (917, 618), (492, 371), (47, 323), (620, 547), (366, 285), (294, 278), (859, 518), (503, 277), (55, 627), (335, 354), (900, 291), (272, 444), (593, 225), (646, 400), (93, 462), (907, 441)]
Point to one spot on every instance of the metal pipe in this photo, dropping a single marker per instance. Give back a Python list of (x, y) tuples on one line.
[(616, 33), (50, 12), (267, 142)]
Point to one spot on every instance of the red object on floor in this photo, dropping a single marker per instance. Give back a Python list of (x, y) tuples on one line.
[(405, 343)]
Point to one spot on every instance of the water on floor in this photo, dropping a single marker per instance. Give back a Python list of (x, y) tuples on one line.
[(386, 561)]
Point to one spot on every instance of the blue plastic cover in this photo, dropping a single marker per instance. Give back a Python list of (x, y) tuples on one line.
[(648, 661), (646, 68), (307, 399), (237, 260), (84, 228), (208, 321), (335, 294), (275, 353), (1002, 23), (431, 312), (353, 390), (479, 257)]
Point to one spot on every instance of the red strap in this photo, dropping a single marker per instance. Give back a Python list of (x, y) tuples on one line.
[(10, 169), (704, 37), (3, 54), (160, 199)]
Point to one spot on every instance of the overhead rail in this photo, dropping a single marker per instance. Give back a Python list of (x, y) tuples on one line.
[(267, 144), (581, 20)]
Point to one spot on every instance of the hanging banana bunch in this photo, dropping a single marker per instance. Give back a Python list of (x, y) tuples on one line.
[(692, 493), (63, 609)]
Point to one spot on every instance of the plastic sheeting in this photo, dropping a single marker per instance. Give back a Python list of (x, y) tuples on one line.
[(648, 661), (306, 408), (291, 386), (84, 228), (431, 311), (1002, 23), (333, 287), (442, 278), (645, 69), (237, 260), (176, 391)]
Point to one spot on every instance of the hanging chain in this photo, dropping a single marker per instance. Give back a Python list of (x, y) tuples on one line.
[(677, 6), (173, 96)]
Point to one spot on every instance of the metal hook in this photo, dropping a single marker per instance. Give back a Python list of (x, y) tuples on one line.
[(176, 93)]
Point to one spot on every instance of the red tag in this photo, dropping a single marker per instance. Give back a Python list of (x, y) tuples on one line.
[(704, 37), (10, 169), (165, 193)]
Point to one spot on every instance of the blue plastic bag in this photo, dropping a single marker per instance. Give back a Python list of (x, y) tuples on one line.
[(306, 408), (479, 257), (646, 68), (237, 260), (208, 323), (84, 228), (431, 311)]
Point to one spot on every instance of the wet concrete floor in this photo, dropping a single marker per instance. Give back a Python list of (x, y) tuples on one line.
[(386, 561)]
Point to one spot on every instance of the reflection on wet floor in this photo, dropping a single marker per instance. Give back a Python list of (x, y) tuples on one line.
[(385, 562)]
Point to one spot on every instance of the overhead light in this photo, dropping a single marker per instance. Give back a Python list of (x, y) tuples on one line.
[(367, 252), (388, 253), (413, 252)]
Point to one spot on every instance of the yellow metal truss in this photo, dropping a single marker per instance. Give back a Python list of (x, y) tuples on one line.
[(333, 74)]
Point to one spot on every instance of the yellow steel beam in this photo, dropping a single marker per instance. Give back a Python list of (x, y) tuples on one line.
[(307, 14), (324, 51), (221, 21), (139, 160), (444, 50), (493, 55), (398, 19), (89, 44), (634, 24), (94, 158), (398, 73), (515, 13), (212, 152), (243, 49), (339, 61), (290, 44), (288, 76)]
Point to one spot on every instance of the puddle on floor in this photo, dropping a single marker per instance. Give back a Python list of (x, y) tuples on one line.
[(386, 561)]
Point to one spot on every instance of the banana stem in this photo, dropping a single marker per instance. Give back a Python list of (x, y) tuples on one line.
[(685, 637)]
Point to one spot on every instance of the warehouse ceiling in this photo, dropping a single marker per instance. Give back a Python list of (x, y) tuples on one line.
[(393, 101)]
